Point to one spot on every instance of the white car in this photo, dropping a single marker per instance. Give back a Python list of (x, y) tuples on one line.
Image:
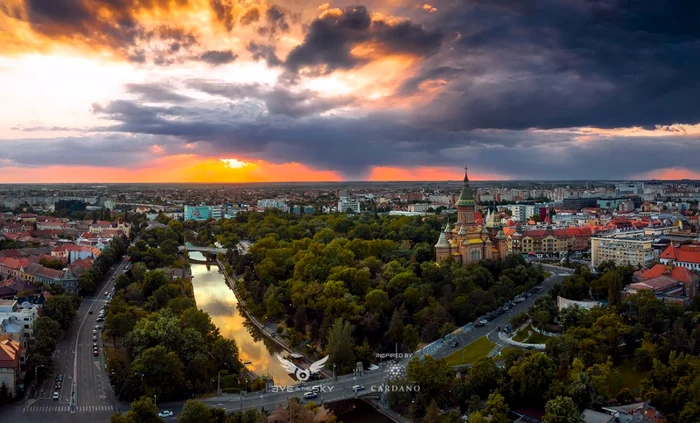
[(165, 413), (310, 395), (357, 388), (55, 396)]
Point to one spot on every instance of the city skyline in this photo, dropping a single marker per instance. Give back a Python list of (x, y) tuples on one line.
[(257, 91)]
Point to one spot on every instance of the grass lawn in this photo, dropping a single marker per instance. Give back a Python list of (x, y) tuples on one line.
[(506, 351), (536, 338), (477, 349), (630, 376)]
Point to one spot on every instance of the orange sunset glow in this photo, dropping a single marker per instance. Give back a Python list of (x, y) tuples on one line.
[(262, 91)]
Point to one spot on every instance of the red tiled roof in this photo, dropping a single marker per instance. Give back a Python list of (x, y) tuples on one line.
[(684, 254), (13, 263), (9, 354), (659, 283), (677, 273)]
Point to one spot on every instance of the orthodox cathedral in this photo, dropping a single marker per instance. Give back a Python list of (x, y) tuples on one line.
[(472, 239)]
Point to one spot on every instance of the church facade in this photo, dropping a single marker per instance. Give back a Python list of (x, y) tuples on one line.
[(470, 241)]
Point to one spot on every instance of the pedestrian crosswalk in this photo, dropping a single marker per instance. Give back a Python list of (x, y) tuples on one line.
[(66, 408)]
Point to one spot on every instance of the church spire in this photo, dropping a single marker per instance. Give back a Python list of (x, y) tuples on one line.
[(466, 197)]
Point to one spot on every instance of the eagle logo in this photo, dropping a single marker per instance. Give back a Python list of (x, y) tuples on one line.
[(301, 374)]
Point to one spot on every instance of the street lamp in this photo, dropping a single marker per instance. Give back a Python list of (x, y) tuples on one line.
[(154, 400), (334, 376), (36, 373)]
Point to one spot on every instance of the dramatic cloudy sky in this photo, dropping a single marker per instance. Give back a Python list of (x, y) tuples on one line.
[(253, 90)]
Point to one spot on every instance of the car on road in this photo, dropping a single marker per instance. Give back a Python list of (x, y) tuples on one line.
[(55, 395), (483, 321), (57, 385), (94, 331), (479, 325), (506, 308), (59, 378), (106, 293), (165, 413), (358, 388), (310, 395), (90, 312), (453, 344)]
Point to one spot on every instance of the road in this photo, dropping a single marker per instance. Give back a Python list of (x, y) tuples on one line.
[(74, 361), (332, 390), (467, 337)]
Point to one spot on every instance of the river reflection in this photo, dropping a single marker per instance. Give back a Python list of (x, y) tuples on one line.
[(217, 299)]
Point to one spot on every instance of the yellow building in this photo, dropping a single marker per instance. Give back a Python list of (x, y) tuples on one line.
[(470, 241), (623, 248)]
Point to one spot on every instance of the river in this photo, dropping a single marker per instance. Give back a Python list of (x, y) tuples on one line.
[(216, 298)]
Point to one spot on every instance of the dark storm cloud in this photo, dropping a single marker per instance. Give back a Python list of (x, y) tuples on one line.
[(264, 52), (218, 57), (223, 10), (410, 86), (96, 150), (559, 64), (331, 38), (251, 16), (354, 145), (118, 30)]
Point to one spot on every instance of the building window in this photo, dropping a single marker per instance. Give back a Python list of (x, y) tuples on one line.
[(475, 255)]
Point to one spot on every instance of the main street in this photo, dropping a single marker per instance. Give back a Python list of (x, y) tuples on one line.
[(79, 369)]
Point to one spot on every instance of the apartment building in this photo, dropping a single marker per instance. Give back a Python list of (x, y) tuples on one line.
[(623, 248)]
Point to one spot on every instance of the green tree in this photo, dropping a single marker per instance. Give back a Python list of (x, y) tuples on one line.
[(432, 414), (396, 328), (562, 410), (61, 309), (142, 411), (497, 408), (484, 376), (477, 417), (581, 390), (410, 338), (194, 412), (340, 346), (162, 372), (533, 376)]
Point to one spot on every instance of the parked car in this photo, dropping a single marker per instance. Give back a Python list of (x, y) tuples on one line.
[(505, 308), (94, 352), (483, 321), (94, 331), (453, 344), (165, 413), (100, 319), (479, 324)]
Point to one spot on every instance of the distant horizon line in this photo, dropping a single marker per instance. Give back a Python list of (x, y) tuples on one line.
[(345, 182)]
